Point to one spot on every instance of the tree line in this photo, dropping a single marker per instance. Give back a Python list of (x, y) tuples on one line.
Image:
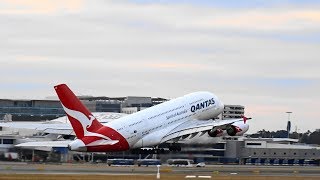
[(307, 137)]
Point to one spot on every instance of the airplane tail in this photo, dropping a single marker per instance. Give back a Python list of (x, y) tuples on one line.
[(79, 116)]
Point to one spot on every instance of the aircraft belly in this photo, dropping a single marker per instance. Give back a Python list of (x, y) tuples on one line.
[(148, 141)]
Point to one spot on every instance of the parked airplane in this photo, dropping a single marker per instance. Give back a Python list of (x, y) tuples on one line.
[(61, 125), (184, 117)]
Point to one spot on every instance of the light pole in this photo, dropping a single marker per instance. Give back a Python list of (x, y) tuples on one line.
[(289, 122), (158, 173)]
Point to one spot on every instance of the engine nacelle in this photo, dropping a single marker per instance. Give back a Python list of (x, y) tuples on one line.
[(237, 129), (215, 133)]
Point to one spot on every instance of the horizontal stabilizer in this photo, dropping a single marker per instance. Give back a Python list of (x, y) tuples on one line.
[(103, 142)]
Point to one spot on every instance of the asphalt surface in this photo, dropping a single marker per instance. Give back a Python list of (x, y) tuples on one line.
[(97, 169)]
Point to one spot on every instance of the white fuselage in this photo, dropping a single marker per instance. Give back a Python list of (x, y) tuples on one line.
[(147, 127)]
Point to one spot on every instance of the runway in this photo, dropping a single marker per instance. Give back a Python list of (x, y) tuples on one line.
[(211, 170)]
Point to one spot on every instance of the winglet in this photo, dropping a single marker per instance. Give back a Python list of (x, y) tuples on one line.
[(245, 119)]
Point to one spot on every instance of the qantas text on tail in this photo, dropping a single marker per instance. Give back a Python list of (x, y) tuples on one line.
[(179, 118)]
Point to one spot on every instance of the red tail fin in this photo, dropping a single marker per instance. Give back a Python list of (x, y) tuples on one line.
[(79, 116)]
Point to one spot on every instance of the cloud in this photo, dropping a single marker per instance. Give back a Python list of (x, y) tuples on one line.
[(177, 66), (39, 6), (31, 58), (186, 16), (266, 110), (270, 20)]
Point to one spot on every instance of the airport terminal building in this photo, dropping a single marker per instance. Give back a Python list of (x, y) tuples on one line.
[(30, 110), (243, 150)]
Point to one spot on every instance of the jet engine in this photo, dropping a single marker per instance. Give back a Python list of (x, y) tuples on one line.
[(215, 132), (237, 129)]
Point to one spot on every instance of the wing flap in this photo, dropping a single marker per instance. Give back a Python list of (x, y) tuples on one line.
[(196, 126)]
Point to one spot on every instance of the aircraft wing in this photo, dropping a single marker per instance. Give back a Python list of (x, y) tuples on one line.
[(193, 127), (44, 144)]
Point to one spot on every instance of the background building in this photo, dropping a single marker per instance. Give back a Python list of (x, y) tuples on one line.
[(271, 151), (232, 112), (30, 110), (36, 110)]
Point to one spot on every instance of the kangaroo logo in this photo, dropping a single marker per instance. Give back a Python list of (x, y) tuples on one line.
[(84, 121)]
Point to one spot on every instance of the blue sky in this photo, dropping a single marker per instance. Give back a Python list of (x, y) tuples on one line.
[(236, 3)]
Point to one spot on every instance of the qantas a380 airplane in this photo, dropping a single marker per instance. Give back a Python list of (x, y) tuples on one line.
[(170, 121), (188, 119)]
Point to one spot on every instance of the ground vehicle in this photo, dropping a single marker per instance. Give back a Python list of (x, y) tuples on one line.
[(120, 162), (202, 164), (180, 162), (148, 162)]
